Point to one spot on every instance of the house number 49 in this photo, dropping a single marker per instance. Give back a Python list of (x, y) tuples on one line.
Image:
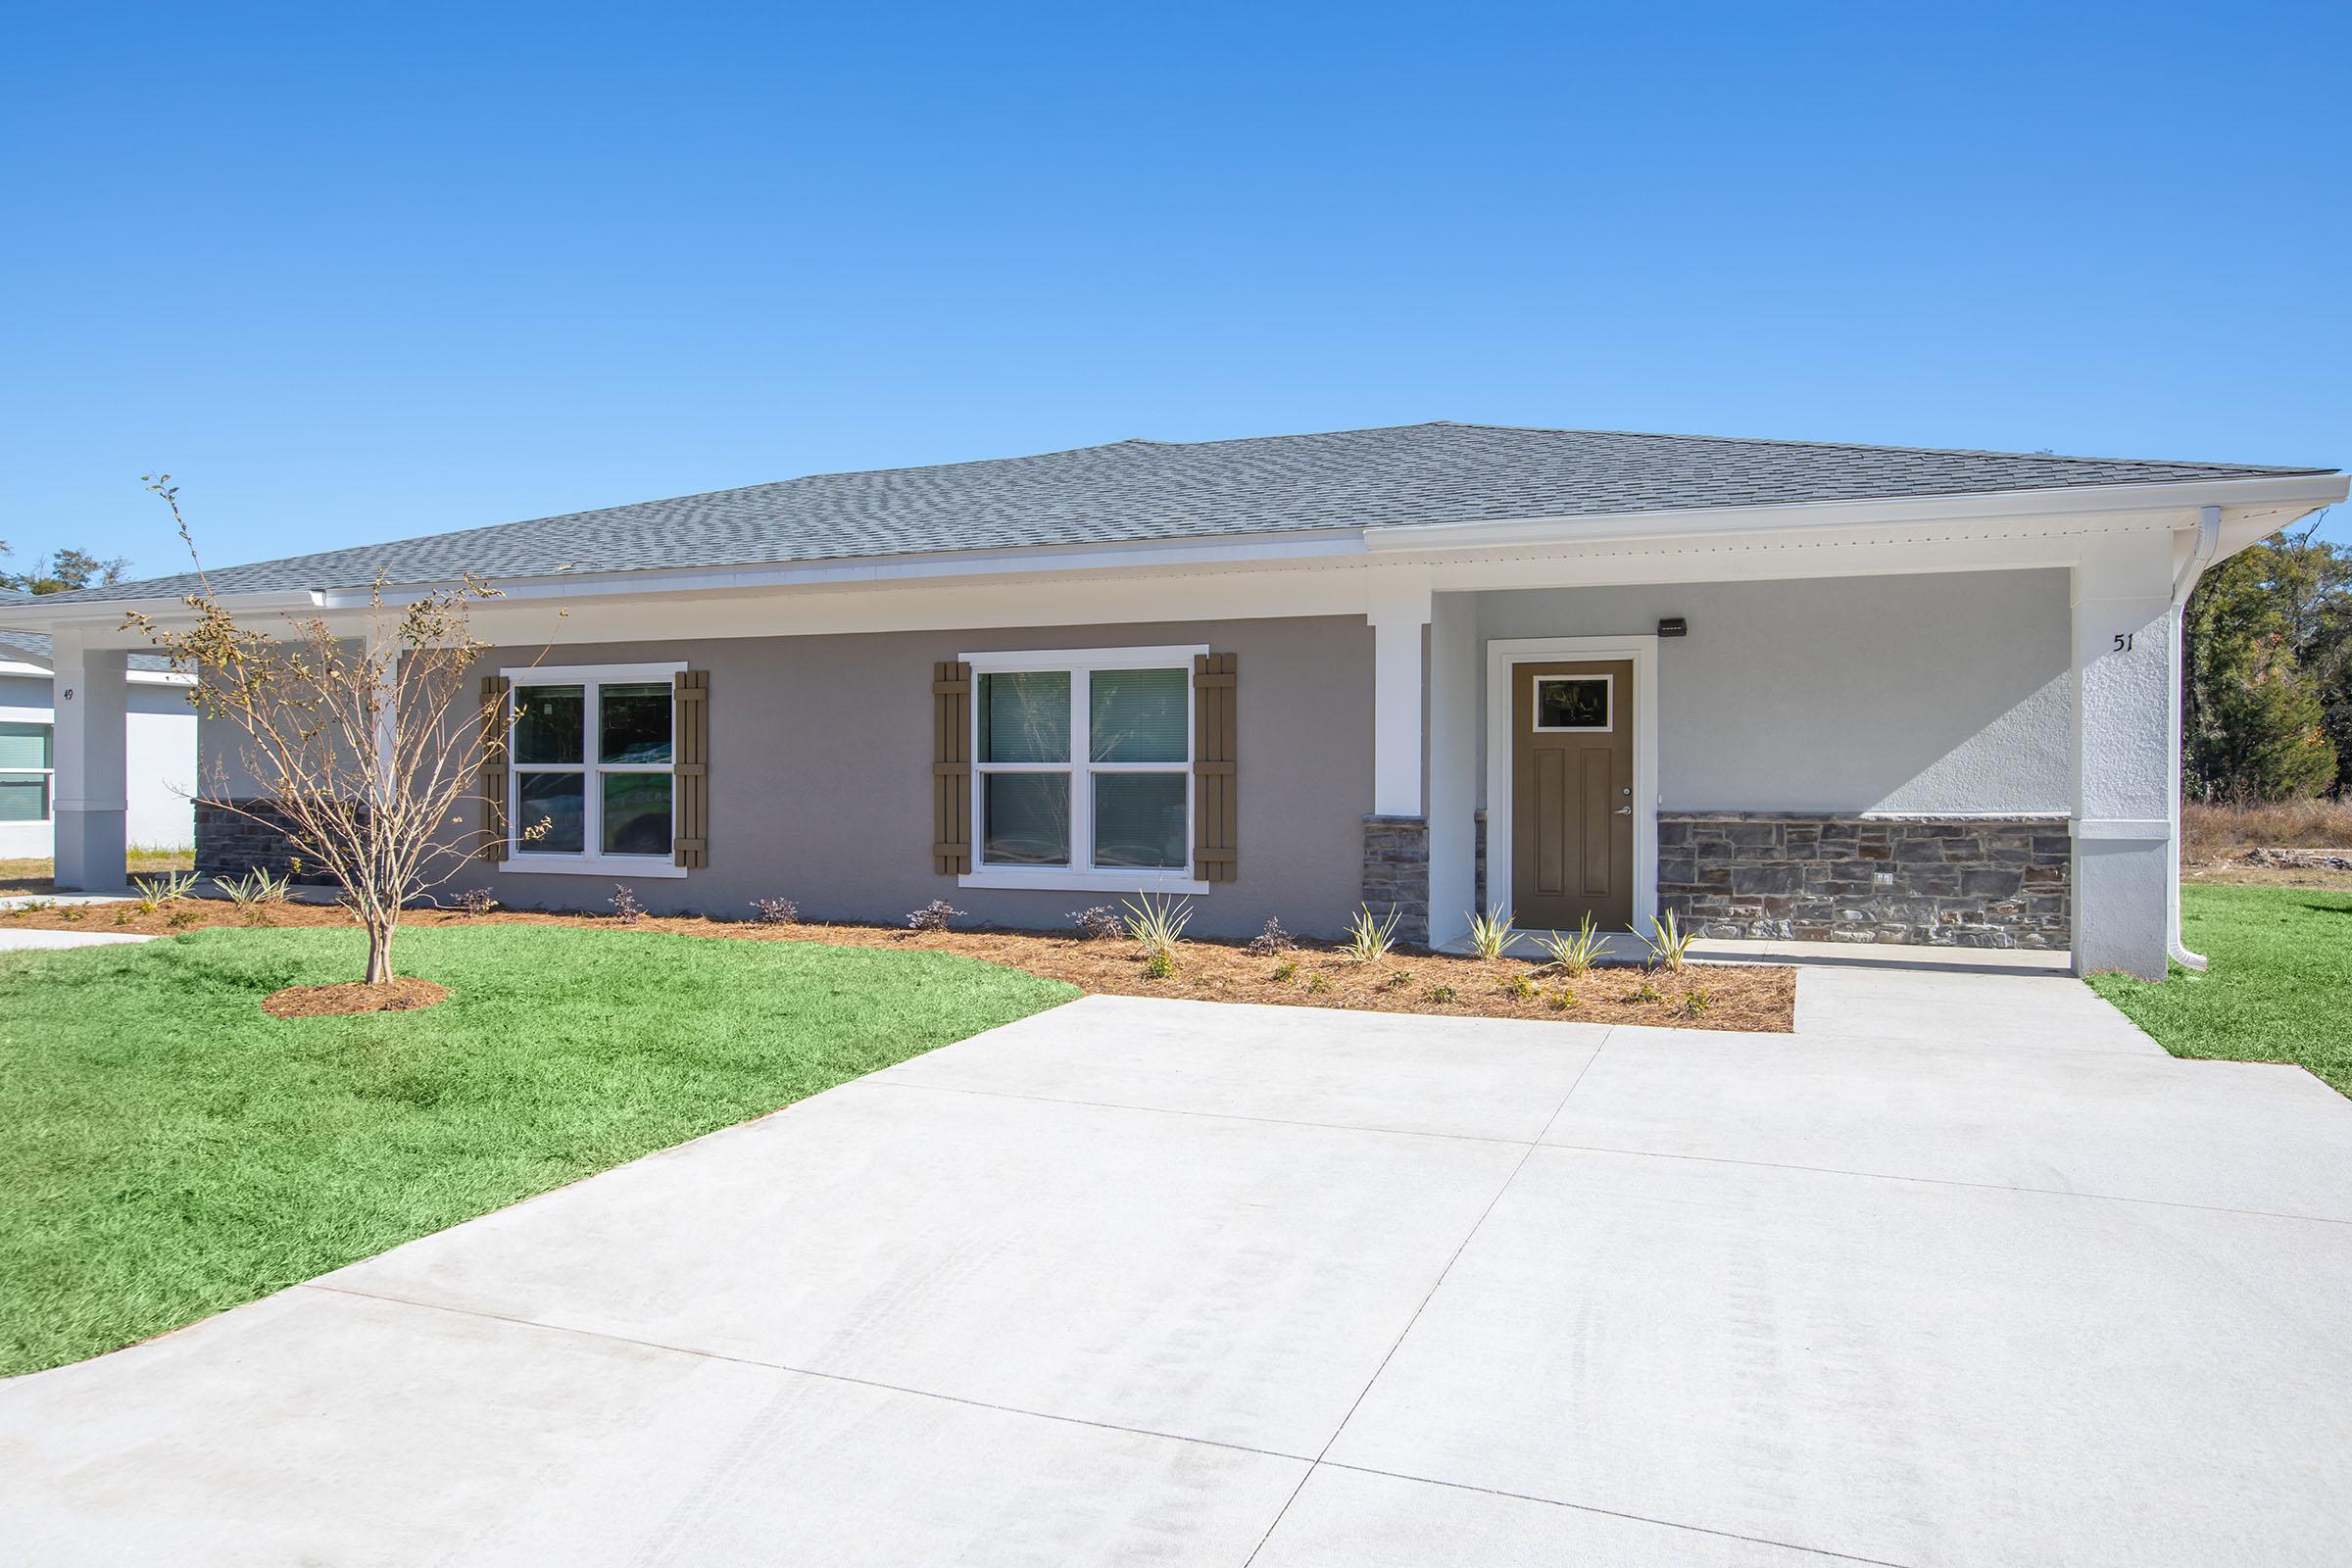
[(2122, 642)]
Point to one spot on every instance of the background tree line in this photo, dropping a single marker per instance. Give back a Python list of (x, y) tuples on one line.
[(2269, 658), (64, 571)]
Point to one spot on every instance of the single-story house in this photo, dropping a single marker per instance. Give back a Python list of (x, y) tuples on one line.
[(1781, 688), (159, 753)]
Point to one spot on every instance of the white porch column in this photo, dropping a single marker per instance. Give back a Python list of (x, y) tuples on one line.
[(1399, 620), (2124, 701), (92, 801), (1396, 832)]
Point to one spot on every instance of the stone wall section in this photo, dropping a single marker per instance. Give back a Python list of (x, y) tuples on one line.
[(231, 844), (1937, 881), (1397, 873)]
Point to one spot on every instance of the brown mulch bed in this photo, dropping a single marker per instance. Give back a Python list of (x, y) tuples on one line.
[(404, 995), (1706, 996)]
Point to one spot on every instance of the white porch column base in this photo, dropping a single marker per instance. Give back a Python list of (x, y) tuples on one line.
[(92, 805), (2123, 625)]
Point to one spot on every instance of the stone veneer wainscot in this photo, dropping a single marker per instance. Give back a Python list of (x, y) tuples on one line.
[(1969, 882), (1397, 872)]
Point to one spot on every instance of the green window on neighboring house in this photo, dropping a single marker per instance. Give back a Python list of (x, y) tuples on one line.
[(25, 760)]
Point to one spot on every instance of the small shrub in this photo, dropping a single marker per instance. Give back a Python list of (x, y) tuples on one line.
[(1370, 938), (1695, 1004), (1317, 983), (1490, 933), (1102, 923), (1576, 953), (1159, 922), (1285, 970), (933, 916), (181, 918), (1272, 939), (123, 916), (1520, 986), (1561, 999), (251, 893), (476, 901), (775, 912), (1438, 993), (1399, 979), (1646, 992), (1161, 965), (169, 888), (71, 914), (625, 907), (1668, 942)]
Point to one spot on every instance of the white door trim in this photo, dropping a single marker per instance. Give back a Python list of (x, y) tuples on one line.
[(1503, 654)]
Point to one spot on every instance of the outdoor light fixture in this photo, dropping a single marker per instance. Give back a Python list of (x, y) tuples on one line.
[(1674, 626)]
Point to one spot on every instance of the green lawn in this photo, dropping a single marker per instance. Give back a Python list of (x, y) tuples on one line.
[(170, 1152), (2279, 988)]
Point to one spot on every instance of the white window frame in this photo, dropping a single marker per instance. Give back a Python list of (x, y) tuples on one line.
[(1535, 699), (47, 776), (1080, 875), (591, 861)]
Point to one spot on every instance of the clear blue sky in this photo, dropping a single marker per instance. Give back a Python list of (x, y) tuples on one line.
[(354, 272)]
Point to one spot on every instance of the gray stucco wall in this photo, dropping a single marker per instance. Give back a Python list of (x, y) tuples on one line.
[(820, 775), (1946, 692)]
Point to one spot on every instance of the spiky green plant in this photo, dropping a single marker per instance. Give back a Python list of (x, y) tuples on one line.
[(1668, 942), (169, 888), (1490, 933), (1156, 921), (254, 889), (1371, 939), (1574, 953)]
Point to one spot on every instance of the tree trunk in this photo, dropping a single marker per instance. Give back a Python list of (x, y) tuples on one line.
[(379, 954)]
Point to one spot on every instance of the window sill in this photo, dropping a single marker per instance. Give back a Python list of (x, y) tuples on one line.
[(1078, 879), (618, 867)]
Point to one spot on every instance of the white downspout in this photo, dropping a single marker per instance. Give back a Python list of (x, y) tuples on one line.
[(2200, 556)]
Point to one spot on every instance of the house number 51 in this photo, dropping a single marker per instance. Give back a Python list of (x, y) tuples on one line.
[(2122, 642)]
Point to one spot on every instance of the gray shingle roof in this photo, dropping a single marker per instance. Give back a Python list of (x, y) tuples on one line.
[(1155, 490)]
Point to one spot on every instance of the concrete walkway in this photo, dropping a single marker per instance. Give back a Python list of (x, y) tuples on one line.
[(30, 940), (1964, 1272)]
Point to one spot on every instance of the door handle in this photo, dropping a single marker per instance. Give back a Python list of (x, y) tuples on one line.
[(1625, 810)]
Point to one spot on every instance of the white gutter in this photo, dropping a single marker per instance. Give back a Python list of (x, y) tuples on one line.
[(2200, 556)]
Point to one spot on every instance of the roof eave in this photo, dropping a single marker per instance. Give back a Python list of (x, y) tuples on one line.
[(2305, 491)]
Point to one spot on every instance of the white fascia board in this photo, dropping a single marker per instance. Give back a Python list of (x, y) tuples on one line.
[(1224, 550), (2085, 505), (137, 677), (100, 624)]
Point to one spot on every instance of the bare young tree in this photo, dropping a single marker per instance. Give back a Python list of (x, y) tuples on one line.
[(360, 749)]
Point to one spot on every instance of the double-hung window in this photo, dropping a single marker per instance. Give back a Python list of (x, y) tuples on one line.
[(1083, 769), (591, 764), (27, 763)]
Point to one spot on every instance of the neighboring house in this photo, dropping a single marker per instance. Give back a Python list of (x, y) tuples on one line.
[(159, 746), (1782, 688)]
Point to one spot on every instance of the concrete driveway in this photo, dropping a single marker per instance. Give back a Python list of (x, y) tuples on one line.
[(1966, 1272)]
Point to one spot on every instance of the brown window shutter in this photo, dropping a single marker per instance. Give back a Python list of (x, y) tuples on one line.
[(1216, 834), (950, 767), (690, 697), (497, 710)]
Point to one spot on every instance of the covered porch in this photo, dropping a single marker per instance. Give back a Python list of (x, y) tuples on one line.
[(1916, 751)]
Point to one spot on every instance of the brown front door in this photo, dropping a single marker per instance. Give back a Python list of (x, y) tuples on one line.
[(1571, 794)]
